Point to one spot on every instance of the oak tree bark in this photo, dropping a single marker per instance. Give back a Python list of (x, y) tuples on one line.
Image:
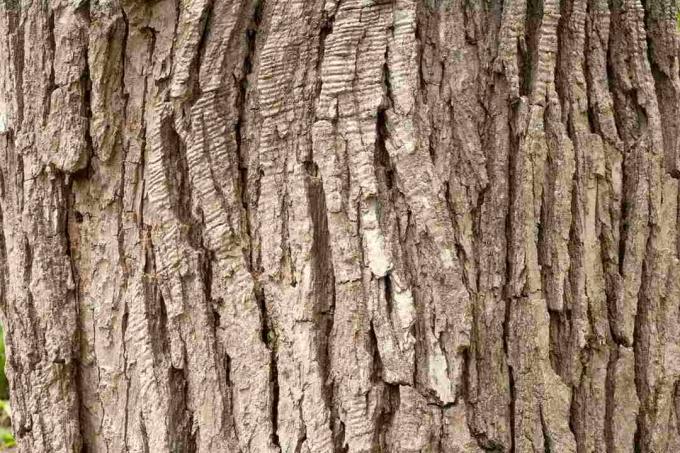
[(341, 225)]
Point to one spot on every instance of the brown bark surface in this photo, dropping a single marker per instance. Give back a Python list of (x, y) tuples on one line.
[(310, 226)]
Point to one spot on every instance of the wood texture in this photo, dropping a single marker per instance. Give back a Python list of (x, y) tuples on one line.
[(341, 225)]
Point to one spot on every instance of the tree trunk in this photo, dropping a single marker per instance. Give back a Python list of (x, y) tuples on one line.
[(341, 225)]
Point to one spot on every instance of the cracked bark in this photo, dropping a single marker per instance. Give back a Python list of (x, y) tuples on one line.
[(341, 225)]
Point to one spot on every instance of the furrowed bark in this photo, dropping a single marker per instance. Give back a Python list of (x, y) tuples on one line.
[(341, 225)]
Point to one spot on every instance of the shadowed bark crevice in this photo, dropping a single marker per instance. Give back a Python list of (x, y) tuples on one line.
[(242, 150), (51, 85), (323, 276), (528, 46)]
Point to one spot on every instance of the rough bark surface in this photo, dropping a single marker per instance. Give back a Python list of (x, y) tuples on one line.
[(341, 225)]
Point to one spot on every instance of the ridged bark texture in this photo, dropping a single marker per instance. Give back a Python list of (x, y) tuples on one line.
[(341, 225)]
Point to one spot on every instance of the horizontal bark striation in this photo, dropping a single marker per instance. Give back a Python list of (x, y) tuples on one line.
[(357, 225)]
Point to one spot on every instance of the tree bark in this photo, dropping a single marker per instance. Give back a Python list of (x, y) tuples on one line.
[(341, 225)]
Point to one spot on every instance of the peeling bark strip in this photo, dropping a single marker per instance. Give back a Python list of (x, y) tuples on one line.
[(341, 225)]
